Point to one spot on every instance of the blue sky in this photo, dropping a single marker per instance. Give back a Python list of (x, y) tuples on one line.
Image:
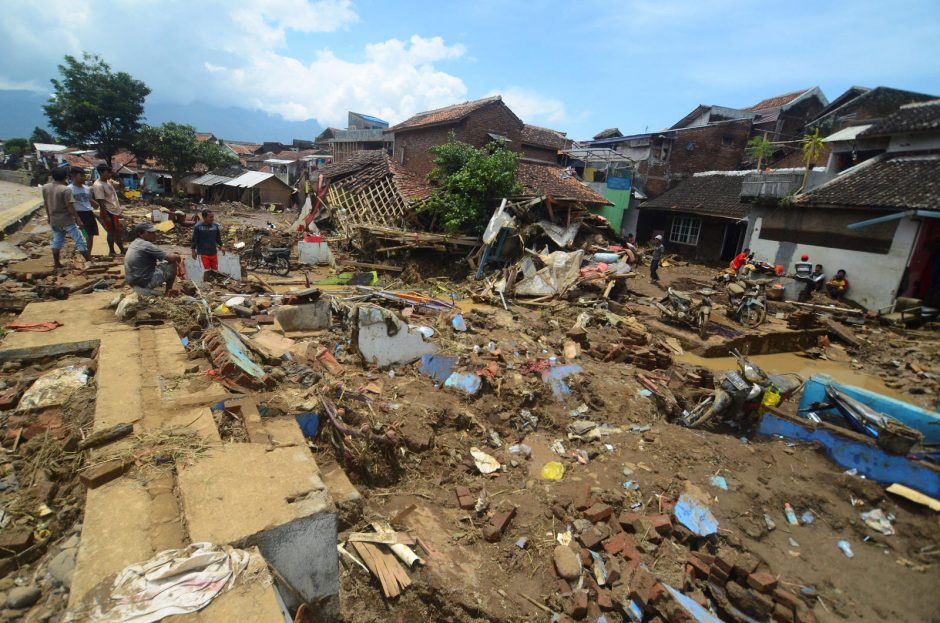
[(576, 66)]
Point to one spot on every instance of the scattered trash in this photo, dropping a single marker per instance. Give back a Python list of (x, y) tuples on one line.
[(458, 323), (555, 376), (484, 462), (639, 429), (846, 548), (558, 447), (793, 542), (791, 516), (770, 523), (718, 481), (807, 517), (53, 388), (522, 542), (879, 521), (646, 394), (553, 470), (520, 449), (579, 411), (466, 382)]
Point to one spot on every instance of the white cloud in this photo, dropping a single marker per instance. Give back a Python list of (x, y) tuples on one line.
[(235, 52), (532, 107)]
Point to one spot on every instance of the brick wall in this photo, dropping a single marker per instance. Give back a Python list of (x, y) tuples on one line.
[(475, 129), (540, 153)]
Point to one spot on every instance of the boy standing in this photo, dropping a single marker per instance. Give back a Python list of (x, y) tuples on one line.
[(110, 209), (84, 205), (57, 199), (207, 238)]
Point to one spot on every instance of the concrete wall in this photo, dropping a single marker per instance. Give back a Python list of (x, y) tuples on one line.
[(17, 177), (874, 277)]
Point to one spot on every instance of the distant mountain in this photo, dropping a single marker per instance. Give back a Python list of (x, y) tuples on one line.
[(21, 111)]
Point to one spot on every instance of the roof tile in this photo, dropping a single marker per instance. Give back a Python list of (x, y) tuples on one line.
[(448, 114), (903, 182), (714, 194)]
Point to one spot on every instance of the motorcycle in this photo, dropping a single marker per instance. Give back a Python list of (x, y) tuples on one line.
[(679, 306), (740, 394), (748, 303), (276, 259)]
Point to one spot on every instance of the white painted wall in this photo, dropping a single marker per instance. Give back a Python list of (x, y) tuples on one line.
[(874, 277)]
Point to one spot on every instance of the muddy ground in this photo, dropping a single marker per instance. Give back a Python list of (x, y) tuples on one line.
[(641, 466)]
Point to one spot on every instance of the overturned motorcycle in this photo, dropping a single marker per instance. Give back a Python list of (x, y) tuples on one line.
[(740, 396), (747, 302), (679, 306)]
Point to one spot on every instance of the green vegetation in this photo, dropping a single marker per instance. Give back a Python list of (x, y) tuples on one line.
[(16, 146), (470, 182), (812, 146), (760, 149), (175, 147), (92, 106), (41, 135)]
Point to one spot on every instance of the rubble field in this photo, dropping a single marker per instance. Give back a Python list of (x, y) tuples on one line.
[(509, 457)]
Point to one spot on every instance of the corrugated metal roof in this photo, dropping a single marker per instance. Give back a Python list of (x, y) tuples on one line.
[(49, 147), (210, 179), (847, 134), (252, 178)]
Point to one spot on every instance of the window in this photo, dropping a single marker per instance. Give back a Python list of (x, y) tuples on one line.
[(727, 140), (402, 155), (685, 230)]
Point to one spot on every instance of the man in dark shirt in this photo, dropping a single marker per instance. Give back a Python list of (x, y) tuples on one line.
[(147, 266), (657, 254), (207, 238)]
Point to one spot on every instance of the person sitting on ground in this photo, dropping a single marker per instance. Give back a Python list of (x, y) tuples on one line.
[(84, 205), (110, 209), (838, 285), (57, 199), (814, 283), (207, 238), (147, 266)]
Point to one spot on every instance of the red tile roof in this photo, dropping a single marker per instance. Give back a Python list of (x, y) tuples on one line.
[(243, 149), (548, 179), (448, 114), (364, 168), (776, 101), (543, 137)]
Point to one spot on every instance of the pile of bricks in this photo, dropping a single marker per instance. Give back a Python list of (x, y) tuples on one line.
[(626, 543), (226, 363), (495, 524), (643, 357)]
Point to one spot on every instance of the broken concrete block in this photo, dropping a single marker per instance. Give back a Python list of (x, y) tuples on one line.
[(306, 317), (567, 562), (314, 253), (229, 264), (381, 338)]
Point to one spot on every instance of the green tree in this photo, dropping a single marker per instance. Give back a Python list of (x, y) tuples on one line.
[(16, 146), (470, 181), (812, 146), (760, 149), (41, 135), (175, 147), (94, 107)]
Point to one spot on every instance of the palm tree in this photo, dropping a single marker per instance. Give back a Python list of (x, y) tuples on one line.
[(812, 147), (760, 149)]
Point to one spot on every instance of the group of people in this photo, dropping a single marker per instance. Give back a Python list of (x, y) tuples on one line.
[(70, 207), (815, 279)]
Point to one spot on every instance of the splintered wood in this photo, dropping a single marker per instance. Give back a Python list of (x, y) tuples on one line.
[(384, 566)]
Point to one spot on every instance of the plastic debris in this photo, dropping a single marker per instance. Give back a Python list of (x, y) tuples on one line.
[(553, 470), (770, 523), (639, 429), (793, 542), (484, 462), (522, 542), (879, 521), (558, 447), (438, 367), (555, 376), (807, 517), (646, 394), (846, 548), (309, 424), (791, 516), (694, 514), (466, 382), (54, 387), (718, 481), (458, 323), (520, 449)]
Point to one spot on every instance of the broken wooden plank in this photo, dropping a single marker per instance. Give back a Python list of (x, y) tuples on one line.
[(370, 265), (106, 436)]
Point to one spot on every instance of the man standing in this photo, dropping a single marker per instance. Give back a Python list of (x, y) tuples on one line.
[(110, 210), (57, 199), (84, 205), (147, 266), (658, 250), (207, 238)]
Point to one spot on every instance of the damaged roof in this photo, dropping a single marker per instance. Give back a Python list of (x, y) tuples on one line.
[(364, 168), (715, 193), (608, 133), (916, 117), (777, 101), (543, 137), (904, 182), (446, 115), (540, 178)]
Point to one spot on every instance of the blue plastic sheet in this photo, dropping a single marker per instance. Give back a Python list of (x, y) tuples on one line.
[(466, 382), (555, 377), (309, 424), (438, 367), (695, 515)]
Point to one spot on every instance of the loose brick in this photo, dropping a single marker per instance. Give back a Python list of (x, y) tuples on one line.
[(783, 614), (804, 614), (660, 523), (614, 545), (725, 561), (613, 572), (591, 538), (657, 592), (640, 586), (762, 581), (786, 598), (582, 497), (579, 608), (744, 565), (700, 569), (604, 602), (564, 589), (705, 557), (10, 398), (498, 523), (765, 605), (630, 521), (15, 541), (717, 576), (101, 474), (586, 559), (598, 512), (559, 512)]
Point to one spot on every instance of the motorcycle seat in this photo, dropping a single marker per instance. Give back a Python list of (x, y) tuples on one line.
[(279, 250), (736, 289)]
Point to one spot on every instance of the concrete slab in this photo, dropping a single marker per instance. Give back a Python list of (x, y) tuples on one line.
[(284, 508), (11, 215), (314, 253), (385, 340), (306, 317)]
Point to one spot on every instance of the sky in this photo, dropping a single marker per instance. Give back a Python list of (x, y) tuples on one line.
[(578, 67)]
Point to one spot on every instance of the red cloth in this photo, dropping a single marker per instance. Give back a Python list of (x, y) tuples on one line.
[(210, 261), (33, 326), (738, 261)]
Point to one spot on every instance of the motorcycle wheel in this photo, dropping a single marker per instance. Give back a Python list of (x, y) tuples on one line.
[(281, 266), (251, 262), (753, 316), (703, 325), (700, 413)]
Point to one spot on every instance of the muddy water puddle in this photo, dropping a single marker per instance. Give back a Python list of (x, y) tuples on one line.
[(781, 363)]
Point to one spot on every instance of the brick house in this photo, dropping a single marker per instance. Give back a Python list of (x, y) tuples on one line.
[(541, 143), (476, 122)]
